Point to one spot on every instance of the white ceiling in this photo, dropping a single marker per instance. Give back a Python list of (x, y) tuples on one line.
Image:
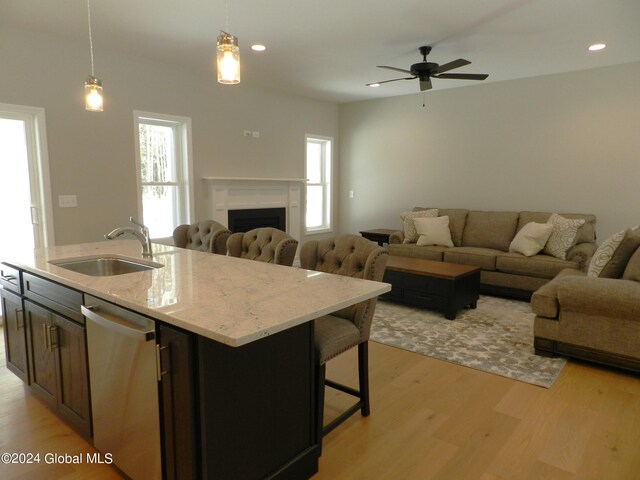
[(329, 49)]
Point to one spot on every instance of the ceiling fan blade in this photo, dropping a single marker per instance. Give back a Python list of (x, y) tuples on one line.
[(463, 76), (387, 81), (396, 69), (425, 84), (461, 62)]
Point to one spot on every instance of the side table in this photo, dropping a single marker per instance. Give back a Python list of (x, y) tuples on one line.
[(378, 235)]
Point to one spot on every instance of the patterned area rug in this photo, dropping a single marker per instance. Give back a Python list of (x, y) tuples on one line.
[(497, 337)]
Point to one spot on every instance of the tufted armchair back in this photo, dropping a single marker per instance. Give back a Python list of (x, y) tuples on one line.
[(353, 256), (206, 236), (267, 244)]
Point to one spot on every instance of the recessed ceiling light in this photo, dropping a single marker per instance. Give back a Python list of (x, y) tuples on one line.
[(596, 46), (258, 48), (373, 85)]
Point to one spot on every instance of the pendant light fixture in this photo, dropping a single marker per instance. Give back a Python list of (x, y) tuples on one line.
[(228, 55), (94, 101)]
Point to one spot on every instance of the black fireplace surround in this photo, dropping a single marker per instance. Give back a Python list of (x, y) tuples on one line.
[(250, 218)]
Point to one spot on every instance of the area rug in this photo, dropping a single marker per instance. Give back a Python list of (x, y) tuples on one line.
[(496, 337)]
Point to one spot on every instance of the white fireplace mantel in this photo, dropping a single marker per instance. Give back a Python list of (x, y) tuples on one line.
[(238, 193)]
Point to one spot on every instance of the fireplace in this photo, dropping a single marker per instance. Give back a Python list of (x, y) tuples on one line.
[(229, 194), (250, 218)]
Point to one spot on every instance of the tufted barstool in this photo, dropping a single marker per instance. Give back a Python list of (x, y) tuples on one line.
[(266, 244), (206, 236), (353, 256)]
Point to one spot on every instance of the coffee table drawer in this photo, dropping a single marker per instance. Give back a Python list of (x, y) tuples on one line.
[(425, 300), (422, 283)]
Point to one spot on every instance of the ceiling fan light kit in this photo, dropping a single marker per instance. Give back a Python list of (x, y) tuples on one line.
[(424, 71)]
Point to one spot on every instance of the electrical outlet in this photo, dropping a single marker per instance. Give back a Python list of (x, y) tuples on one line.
[(247, 133), (350, 193), (255, 134), (66, 201)]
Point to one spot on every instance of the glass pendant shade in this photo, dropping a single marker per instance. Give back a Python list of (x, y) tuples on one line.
[(228, 59), (93, 94)]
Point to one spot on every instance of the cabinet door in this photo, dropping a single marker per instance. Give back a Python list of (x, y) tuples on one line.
[(15, 335), (43, 359), (178, 403), (69, 342)]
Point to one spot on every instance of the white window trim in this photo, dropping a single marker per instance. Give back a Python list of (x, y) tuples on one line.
[(39, 172), (186, 172), (329, 195)]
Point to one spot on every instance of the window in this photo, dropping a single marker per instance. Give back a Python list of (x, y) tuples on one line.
[(165, 195), (318, 193)]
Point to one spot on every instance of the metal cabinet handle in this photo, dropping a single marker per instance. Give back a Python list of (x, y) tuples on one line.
[(47, 338), (159, 371), (19, 316), (53, 333)]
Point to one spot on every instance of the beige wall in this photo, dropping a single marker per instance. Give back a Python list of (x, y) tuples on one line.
[(567, 142), (92, 155)]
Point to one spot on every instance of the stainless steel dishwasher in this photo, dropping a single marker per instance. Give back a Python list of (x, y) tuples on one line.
[(124, 387)]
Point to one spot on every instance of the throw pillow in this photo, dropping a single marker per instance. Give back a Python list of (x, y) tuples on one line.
[(408, 218), (433, 231), (563, 235), (632, 270), (611, 258), (531, 238)]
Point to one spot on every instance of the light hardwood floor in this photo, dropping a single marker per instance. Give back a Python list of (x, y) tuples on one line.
[(430, 420)]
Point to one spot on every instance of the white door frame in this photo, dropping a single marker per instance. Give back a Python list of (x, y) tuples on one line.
[(38, 158)]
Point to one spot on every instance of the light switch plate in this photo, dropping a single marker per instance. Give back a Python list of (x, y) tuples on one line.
[(67, 201)]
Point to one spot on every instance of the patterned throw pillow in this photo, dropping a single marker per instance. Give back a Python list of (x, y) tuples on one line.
[(410, 233), (563, 236), (604, 253), (611, 258)]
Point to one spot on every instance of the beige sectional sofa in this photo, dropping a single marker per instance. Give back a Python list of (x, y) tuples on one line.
[(482, 238)]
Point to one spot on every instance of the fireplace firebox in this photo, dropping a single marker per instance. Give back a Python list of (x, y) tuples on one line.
[(250, 218)]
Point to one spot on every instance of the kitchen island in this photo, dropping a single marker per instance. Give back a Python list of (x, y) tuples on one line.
[(240, 401)]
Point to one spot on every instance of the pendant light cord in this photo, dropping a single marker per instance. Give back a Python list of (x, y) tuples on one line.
[(90, 35), (226, 14)]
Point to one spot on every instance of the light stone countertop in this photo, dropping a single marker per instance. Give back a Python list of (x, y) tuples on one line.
[(231, 300)]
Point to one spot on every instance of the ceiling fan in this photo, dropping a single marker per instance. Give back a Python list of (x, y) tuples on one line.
[(424, 71)]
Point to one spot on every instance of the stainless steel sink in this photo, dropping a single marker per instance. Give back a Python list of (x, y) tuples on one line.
[(105, 266)]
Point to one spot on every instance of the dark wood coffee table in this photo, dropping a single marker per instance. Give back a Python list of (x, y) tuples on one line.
[(442, 286)]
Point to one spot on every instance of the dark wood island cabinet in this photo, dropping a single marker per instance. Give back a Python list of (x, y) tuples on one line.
[(234, 360)]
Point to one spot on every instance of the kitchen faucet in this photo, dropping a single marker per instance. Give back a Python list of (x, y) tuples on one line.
[(141, 233)]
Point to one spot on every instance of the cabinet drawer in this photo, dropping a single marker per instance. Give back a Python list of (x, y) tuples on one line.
[(418, 282), (59, 298), (425, 300), (10, 278)]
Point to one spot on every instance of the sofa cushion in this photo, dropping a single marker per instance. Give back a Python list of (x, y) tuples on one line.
[(457, 220), (490, 229), (433, 231), (563, 236), (586, 233), (484, 258), (408, 223), (632, 270), (544, 301), (611, 258), (430, 252), (544, 266), (531, 238)]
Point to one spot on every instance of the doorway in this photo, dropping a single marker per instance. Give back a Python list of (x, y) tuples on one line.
[(25, 216)]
